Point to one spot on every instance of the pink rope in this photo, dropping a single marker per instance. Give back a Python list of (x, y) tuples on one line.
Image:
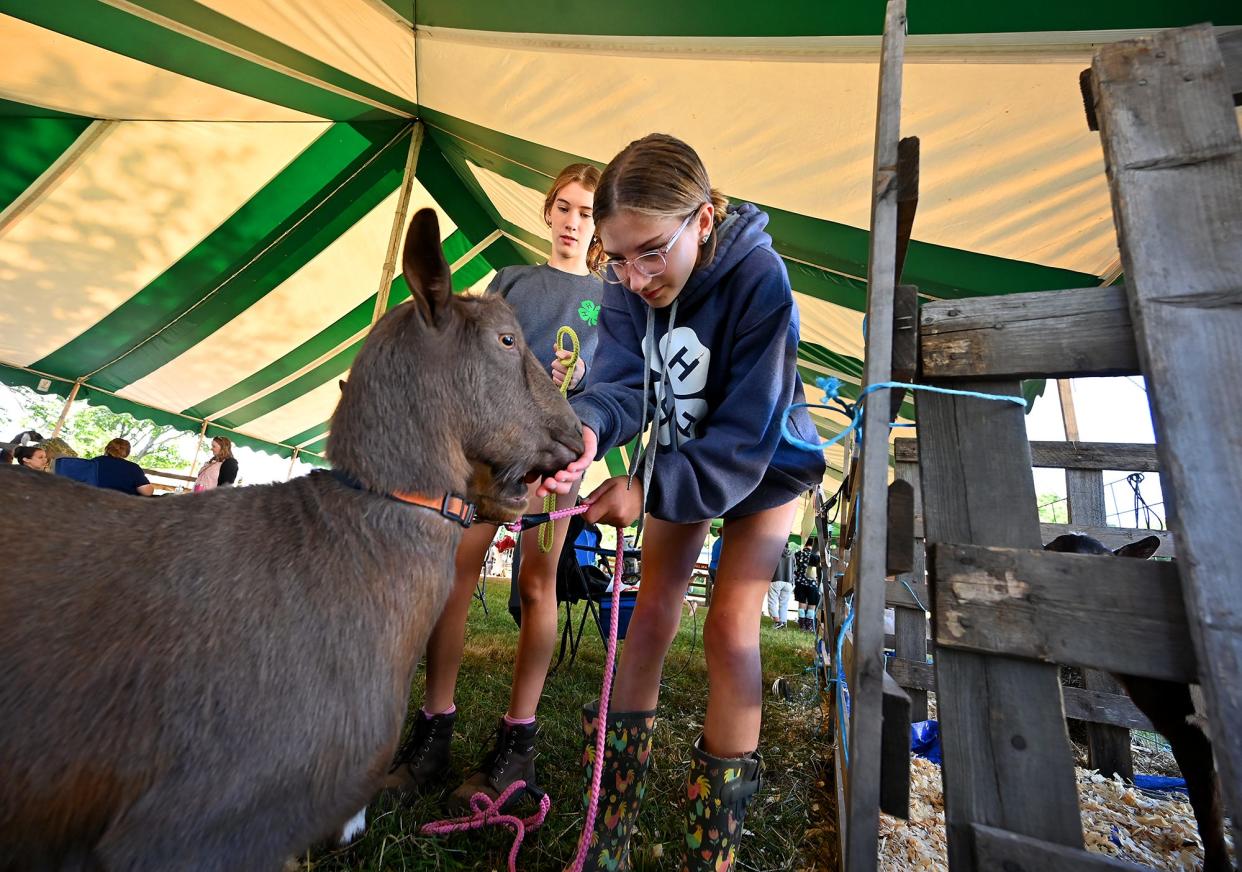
[(601, 730), (486, 811), (554, 515)]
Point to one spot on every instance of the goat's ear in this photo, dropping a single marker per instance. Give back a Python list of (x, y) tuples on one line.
[(341, 384), (1142, 549), (424, 267)]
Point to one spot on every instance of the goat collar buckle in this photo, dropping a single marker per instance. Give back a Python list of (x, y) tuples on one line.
[(452, 506)]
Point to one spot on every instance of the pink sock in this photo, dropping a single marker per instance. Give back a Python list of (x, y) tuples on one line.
[(519, 722), (447, 711)]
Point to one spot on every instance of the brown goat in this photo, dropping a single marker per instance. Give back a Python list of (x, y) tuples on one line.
[(1171, 710), (215, 681)]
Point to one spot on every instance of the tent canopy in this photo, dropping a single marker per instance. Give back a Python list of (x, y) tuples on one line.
[(197, 198)]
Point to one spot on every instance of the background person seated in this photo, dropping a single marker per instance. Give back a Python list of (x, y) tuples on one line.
[(117, 473), (31, 457)]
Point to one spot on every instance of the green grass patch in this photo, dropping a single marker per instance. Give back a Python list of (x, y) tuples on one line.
[(783, 824)]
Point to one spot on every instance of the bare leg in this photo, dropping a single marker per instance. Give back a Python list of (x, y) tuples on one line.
[(748, 558), (537, 588), (669, 552), (448, 637)]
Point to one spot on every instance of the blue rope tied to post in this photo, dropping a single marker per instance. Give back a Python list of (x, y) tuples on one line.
[(843, 692), (832, 387)]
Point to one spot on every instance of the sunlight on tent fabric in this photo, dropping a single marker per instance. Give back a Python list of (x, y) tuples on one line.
[(45, 68), (363, 39), (142, 196), (312, 408), (516, 203), (997, 136), (325, 289)]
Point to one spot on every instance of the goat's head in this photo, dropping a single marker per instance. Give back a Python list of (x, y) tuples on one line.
[(1079, 543), (445, 394)]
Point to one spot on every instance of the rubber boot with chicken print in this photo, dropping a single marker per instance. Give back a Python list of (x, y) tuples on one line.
[(718, 792), (627, 755)]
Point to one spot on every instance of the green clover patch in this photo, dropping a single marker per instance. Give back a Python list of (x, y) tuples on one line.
[(589, 312)]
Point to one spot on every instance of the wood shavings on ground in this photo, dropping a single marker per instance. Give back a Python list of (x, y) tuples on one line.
[(1118, 820)]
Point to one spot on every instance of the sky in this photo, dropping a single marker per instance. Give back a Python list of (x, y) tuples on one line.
[(1108, 410)]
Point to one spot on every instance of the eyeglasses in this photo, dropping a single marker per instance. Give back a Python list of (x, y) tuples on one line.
[(648, 264)]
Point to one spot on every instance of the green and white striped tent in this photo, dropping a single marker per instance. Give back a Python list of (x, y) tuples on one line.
[(197, 198)]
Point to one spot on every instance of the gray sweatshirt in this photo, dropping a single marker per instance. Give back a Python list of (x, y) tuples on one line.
[(545, 299)]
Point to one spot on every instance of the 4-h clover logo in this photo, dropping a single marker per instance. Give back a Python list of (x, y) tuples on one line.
[(589, 312)]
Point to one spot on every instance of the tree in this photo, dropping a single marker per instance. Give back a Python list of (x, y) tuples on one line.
[(89, 428), (1053, 509)]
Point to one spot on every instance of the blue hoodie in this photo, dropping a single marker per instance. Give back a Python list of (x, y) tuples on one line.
[(731, 374)]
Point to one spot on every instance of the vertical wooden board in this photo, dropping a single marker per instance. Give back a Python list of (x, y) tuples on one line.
[(1108, 747), (910, 625), (895, 751), (905, 342), (1173, 153), (1007, 756), (866, 678), (899, 544)]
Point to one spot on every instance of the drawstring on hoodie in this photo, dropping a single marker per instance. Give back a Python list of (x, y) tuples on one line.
[(647, 455)]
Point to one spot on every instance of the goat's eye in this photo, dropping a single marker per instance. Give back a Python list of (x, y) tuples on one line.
[(508, 340)]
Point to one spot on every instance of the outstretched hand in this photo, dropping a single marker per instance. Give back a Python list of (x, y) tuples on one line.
[(563, 481), (617, 502)]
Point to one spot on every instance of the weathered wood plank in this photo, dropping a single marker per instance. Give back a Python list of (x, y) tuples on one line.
[(1122, 615), (895, 751), (859, 848), (899, 547), (905, 343), (1047, 334), (1108, 748), (1113, 537), (1173, 153), (907, 198), (1231, 52), (1095, 455), (1130, 456), (1001, 849), (910, 623), (1007, 755), (1081, 704)]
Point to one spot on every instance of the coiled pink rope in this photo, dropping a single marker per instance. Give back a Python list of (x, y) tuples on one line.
[(486, 811)]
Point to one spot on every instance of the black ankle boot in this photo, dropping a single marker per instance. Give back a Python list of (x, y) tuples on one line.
[(422, 761), (512, 759), (718, 792)]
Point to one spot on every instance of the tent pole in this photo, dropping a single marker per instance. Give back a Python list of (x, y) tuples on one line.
[(292, 462), (64, 412), (198, 449), (1068, 415), (398, 223)]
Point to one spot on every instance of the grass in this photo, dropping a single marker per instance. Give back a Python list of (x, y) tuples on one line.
[(791, 804)]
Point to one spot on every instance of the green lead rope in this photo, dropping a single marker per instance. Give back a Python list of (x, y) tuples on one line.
[(547, 531)]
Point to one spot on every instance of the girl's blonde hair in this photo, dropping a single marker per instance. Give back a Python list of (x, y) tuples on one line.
[(659, 176), (582, 173), (226, 446), (117, 448)]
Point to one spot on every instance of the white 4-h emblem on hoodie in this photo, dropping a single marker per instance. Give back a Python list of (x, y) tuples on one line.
[(687, 360)]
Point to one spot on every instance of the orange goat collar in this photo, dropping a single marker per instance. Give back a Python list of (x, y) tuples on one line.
[(450, 505)]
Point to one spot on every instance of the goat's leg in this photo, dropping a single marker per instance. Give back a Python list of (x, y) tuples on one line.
[(1168, 705)]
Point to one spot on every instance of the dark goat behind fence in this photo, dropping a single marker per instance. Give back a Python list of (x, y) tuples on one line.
[(1171, 710), (214, 681)]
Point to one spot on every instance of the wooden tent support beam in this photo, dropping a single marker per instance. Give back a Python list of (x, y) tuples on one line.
[(64, 411), (198, 448), (399, 219)]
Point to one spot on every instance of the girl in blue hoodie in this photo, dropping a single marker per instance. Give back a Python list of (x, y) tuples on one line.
[(699, 335)]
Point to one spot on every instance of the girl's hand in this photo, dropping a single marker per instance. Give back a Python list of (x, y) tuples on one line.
[(615, 504), (559, 368), (563, 481)]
